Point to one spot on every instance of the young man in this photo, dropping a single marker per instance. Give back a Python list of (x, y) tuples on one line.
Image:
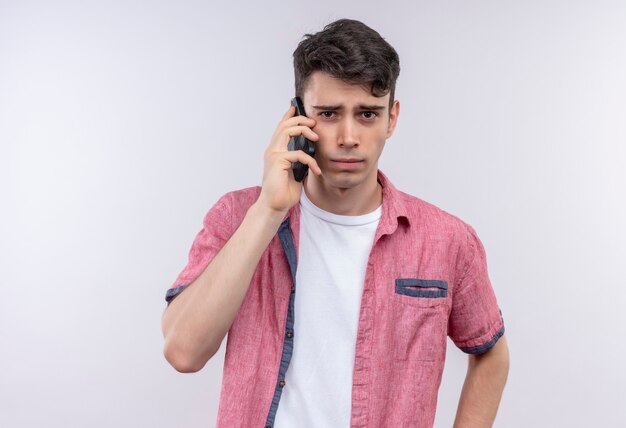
[(337, 293)]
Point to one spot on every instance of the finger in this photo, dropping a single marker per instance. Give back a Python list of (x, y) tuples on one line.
[(294, 131), (299, 156), (297, 120), (280, 141)]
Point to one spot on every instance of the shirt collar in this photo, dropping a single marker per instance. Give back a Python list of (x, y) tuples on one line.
[(393, 208)]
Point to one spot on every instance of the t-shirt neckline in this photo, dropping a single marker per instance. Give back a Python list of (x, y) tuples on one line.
[(345, 220)]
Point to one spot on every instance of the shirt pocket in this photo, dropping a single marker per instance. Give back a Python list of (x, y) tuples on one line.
[(421, 292), (420, 317)]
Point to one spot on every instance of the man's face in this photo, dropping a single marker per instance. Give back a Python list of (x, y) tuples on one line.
[(352, 125)]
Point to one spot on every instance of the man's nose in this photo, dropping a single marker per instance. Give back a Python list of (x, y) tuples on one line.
[(348, 133)]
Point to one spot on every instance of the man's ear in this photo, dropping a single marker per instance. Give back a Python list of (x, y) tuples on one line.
[(394, 112)]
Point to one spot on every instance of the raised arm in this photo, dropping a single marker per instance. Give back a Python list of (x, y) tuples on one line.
[(196, 321)]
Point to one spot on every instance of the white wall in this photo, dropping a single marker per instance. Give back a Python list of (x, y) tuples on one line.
[(122, 122)]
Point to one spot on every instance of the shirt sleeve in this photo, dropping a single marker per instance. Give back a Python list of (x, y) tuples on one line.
[(208, 242), (475, 322)]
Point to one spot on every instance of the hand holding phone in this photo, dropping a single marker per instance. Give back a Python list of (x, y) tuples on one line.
[(282, 183), (300, 142)]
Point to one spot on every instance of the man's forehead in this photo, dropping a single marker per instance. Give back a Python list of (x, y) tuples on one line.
[(323, 89)]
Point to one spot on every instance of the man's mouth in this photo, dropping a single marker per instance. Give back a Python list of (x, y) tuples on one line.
[(347, 160), (347, 163)]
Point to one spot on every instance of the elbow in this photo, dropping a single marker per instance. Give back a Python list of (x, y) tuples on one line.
[(183, 365), (183, 361)]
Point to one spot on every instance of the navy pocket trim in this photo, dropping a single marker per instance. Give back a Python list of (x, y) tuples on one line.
[(407, 286)]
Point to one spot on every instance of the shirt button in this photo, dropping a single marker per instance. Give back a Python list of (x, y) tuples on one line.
[(293, 289), (289, 333), (281, 383)]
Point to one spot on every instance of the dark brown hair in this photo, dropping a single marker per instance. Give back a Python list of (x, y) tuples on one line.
[(351, 51)]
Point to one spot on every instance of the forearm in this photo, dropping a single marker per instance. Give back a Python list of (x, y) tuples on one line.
[(196, 321), (482, 390)]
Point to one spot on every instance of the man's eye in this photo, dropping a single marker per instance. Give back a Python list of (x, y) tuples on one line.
[(369, 115), (327, 114)]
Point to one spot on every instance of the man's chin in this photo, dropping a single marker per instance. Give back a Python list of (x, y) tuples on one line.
[(342, 179)]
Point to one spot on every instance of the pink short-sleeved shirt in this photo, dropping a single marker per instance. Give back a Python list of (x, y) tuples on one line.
[(426, 279)]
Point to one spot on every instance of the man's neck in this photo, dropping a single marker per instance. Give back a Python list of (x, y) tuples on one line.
[(359, 200)]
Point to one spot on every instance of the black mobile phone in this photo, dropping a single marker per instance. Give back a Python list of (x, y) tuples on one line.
[(299, 142)]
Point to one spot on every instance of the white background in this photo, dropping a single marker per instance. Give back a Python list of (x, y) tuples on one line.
[(122, 122)]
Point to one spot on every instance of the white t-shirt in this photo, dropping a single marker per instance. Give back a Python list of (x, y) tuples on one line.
[(330, 276)]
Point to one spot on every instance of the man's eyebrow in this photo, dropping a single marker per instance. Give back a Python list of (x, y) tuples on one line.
[(360, 107), (371, 107), (337, 107)]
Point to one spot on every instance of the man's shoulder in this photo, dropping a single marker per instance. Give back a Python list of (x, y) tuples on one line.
[(230, 209), (245, 196), (238, 201), (426, 214), (421, 214)]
